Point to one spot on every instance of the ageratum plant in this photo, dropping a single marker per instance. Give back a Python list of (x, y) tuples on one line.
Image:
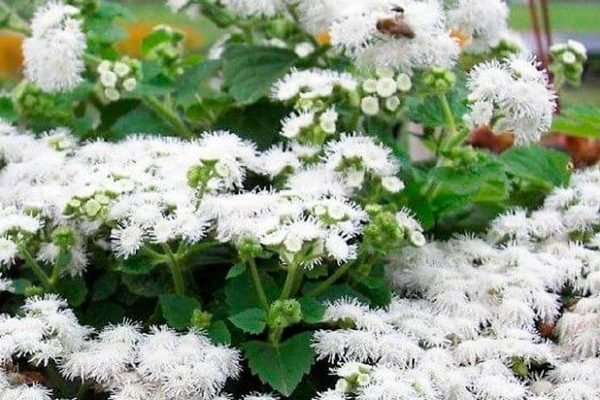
[(253, 222)]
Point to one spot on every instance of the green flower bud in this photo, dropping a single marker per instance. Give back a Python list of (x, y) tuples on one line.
[(33, 290), (284, 313), (249, 248), (64, 237), (92, 207), (200, 319)]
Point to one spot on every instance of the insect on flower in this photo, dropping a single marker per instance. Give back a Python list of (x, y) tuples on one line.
[(397, 26)]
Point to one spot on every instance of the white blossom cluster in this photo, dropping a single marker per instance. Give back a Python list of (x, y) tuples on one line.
[(483, 317), (485, 22), (431, 33), (116, 78), (54, 52), (383, 92), (158, 365), (512, 95), (140, 190), (354, 29), (123, 361)]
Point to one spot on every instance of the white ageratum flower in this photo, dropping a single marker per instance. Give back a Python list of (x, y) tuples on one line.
[(511, 96), (54, 53), (484, 21), (374, 158), (354, 29), (127, 240), (265, 8), (311, 84), (293, 124), (8, 252)]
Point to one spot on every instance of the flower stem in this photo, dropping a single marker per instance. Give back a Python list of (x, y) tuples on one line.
[(289, 282), (341, 271), (260, 291), (168, 115), (35, 267), (176, 271), (449, 120)]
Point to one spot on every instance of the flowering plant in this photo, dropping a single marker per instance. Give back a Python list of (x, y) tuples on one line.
[(185, 226)]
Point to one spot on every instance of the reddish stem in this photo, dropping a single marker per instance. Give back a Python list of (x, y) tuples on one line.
[(537, 33)]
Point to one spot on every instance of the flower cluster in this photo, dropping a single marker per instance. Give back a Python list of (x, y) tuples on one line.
[(161, 364), (567, 61), (123, 361), (483, 317), (54, 52), (118, 77), (360, 31), (511, 96), (383, 92), (155, 190)]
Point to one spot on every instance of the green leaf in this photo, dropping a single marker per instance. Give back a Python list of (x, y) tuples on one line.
[(581, 121), (73, 290), (312, 310), (101, 313), (236, 270), (139, 120), (457, 180), (139, 265), (7, 109), (241, 295), (252, 320), (154, 39), (178, 309), (259, 122), (187, 84), (103, 30), (218, 333), (250, 71), (105, 286), (143, 285), (20, 285), (540, 165), (281, 365)]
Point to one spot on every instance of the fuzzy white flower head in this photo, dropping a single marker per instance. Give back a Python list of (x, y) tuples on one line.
[(374, 158), (356, 30), (519, 95), (249, 8), (127, 240), (310, 84), (54, 53), (293, 124), (482, 20)]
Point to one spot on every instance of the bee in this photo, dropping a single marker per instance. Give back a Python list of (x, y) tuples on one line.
[(397, 27)]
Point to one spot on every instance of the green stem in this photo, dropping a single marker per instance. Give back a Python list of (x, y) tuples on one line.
[(260, 291), (275, 335), (289, 282), (92, 59), (168, 115), (449, 120), (341, 271), (15, 22), (176, 270), (298, 277), (35, 267)]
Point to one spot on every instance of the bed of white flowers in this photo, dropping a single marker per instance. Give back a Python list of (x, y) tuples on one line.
[(251, 222)]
